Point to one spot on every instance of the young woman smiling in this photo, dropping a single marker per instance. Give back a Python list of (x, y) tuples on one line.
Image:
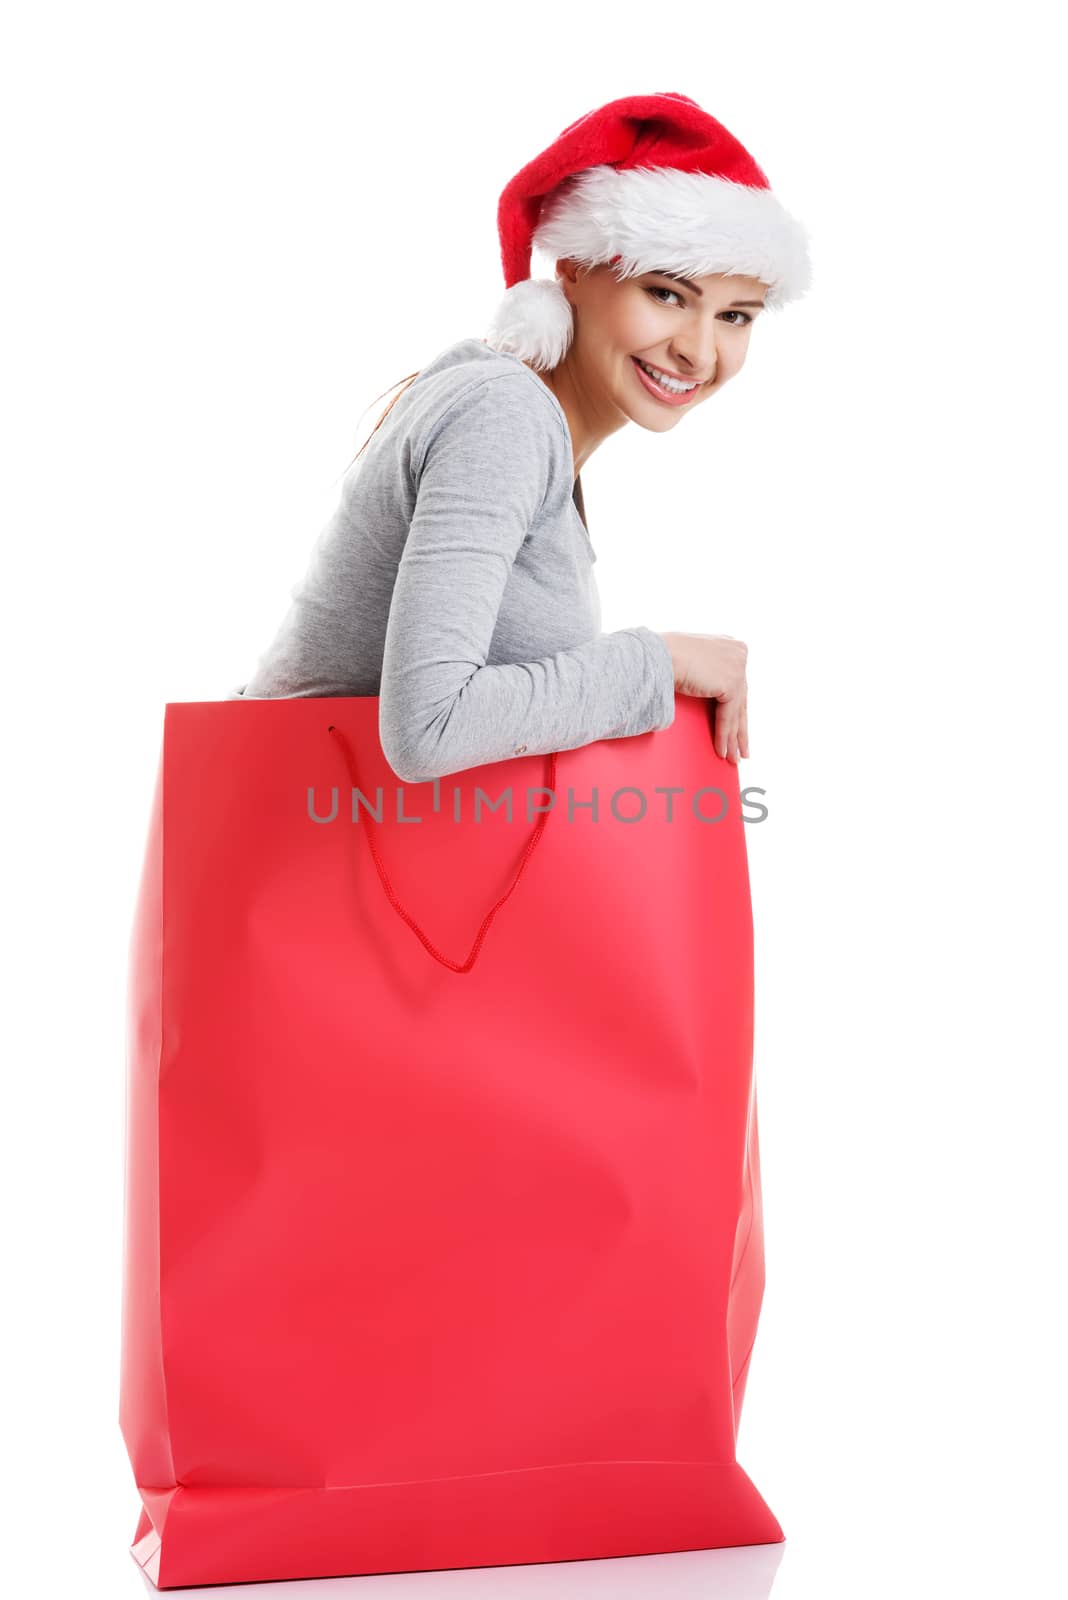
[(455, 579), (538, 1345)]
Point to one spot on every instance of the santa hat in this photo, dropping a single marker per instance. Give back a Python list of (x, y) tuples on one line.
[(650, 182)]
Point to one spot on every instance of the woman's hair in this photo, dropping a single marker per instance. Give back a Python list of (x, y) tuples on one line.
[(406, 382)]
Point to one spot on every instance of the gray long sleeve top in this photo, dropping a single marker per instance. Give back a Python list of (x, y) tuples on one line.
[(455, 581)]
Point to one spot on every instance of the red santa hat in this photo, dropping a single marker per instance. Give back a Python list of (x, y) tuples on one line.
[(647, 183)]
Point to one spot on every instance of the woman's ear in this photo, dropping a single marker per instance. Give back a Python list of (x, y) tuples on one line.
[(567, 273)]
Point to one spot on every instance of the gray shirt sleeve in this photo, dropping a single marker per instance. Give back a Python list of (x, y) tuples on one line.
[(484, 474)]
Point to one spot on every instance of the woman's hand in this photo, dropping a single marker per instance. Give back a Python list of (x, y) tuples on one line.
[(712, 666)]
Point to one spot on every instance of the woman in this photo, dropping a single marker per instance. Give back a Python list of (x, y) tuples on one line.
[(455, 579), (499, 1227)]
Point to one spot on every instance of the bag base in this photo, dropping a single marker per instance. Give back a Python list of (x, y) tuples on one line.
[(572, 1512)]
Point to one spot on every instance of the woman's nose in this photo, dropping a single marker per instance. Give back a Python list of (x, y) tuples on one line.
[(697, 354)]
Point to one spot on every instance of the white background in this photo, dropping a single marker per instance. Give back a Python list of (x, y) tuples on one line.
[(231, 227)]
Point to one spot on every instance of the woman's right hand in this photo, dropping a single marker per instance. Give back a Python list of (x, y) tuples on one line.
[(712, 666)]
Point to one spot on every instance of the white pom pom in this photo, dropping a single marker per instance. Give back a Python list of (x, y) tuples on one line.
[(533, 322)]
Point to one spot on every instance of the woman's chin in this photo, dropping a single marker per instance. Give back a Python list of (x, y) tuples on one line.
[(653, 418)]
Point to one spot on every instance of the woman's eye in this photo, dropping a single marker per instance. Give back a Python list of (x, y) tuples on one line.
[(656, 289)]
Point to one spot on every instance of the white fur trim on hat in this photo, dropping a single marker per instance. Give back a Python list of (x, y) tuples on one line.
[(687, 222)]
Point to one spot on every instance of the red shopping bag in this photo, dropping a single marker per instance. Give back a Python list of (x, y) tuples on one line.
[(443, 1240)]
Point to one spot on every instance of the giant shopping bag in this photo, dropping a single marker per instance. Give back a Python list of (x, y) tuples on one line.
[(443, 1236)]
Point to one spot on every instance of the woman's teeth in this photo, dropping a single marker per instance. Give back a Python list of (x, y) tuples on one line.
[(672, 385)]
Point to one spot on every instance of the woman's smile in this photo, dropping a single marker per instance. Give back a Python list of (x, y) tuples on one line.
[(669, 396)]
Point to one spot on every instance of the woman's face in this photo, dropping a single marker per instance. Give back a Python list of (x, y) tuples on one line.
[(696, 329)]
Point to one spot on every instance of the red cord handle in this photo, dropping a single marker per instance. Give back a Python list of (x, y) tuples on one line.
[(446, 961)]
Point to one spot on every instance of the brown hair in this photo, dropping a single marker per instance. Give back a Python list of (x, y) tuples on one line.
[(410, 379)]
